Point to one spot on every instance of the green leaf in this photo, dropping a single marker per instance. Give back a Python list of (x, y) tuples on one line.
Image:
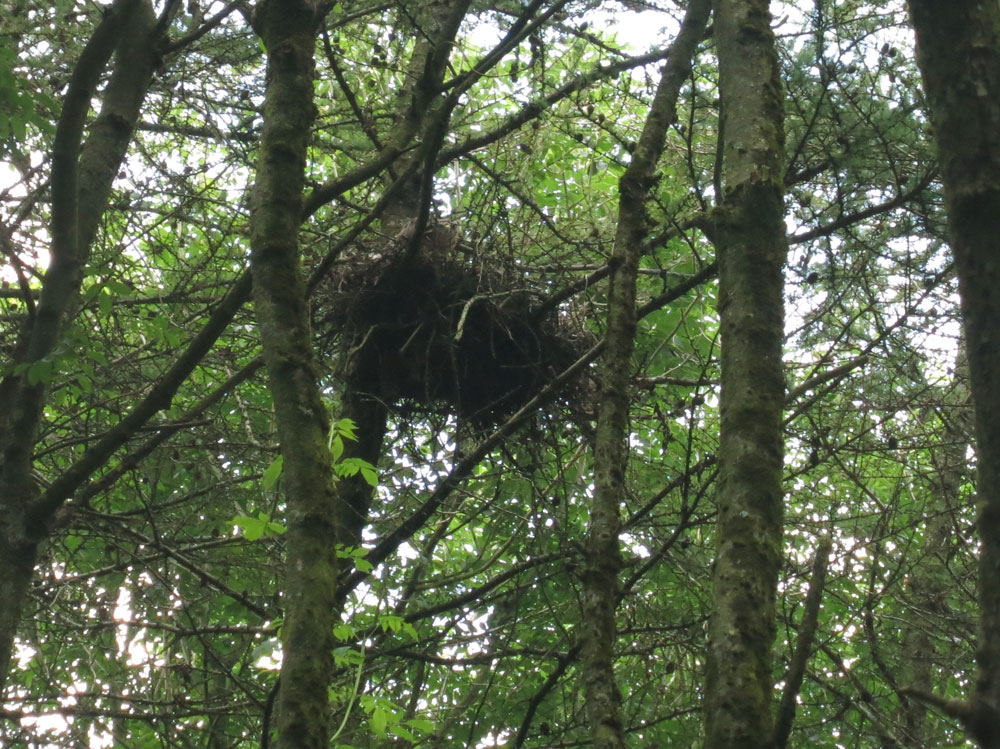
[(273, 473), (390, 622), (344, 632), (348, 467), (369, 474), (85, 383), (380, 719), (402, 733), (358, 554), (347, 428), (273, 528), (353, 466), (258, 527), (252, 528), (40, 372), (96, 355), (420, 724), (104, 302), (348, 656)]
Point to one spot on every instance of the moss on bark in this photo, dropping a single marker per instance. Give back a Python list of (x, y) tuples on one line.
[(603, 560), (958, 51), (749, 235), (288, 30)]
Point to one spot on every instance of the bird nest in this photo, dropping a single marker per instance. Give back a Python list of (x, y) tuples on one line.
[(441, 331)]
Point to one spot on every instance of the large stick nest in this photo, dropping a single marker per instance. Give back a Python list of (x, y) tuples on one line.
[(443, 329)]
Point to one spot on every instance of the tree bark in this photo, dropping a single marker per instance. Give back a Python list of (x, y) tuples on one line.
[(603, 558), (930, 582), (808, 628), (749, 234), (288, 30), (82, 176), (958, 51), (439, 21), (370, 415)]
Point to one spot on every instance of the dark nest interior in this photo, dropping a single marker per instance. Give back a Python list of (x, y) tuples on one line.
[(444, 332)]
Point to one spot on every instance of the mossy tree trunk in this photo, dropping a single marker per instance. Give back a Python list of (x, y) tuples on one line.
[(321, 515), (748, 231), (288, 29), (83, 170), (930, 582), (958, 51), (603, 560)]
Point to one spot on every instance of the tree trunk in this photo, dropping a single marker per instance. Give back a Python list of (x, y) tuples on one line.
[(288, 30), (603, 561), (440, 21), (808, 627), (749, 234), (930, 581), (370, 415), (958, 51), (81, 180)]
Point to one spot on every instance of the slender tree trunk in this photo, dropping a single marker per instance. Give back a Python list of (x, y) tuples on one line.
[(930, 582), (917, 655), (288, 30), (603, 562), (804, 646), (749, 234), (370, 415), (439, 21), (82, 175), (958, 51)]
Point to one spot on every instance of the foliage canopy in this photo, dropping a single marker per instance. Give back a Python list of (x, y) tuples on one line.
[(154, 614)]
